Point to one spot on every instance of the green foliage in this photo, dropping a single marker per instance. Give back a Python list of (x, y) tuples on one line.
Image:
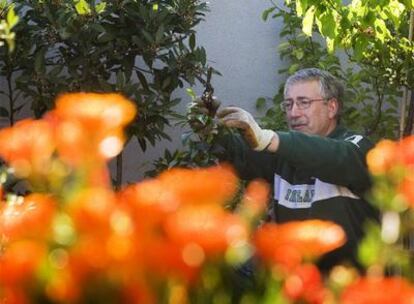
[(199, 149), (375, 31), (371, 101), (8, 19), (143, 49)]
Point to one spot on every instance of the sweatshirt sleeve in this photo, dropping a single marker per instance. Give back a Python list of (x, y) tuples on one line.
[(339, 161), (248, 163)]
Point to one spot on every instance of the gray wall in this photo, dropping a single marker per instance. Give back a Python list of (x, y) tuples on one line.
[(243, 48)]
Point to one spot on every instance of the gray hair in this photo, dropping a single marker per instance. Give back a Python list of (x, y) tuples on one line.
[(330, 86)]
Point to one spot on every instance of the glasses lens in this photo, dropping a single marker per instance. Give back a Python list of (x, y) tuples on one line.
[(303, 104), (286, 105)]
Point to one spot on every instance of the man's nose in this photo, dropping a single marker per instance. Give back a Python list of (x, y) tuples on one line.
[(295, 111)]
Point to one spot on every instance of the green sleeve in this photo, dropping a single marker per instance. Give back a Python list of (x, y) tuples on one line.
[(338, 161), (248, 163)]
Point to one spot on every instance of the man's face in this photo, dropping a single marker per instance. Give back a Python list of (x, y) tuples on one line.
[(319, 118)]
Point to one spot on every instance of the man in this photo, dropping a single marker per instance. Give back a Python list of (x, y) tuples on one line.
[(317, 168)]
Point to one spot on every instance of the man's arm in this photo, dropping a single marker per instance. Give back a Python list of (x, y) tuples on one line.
[(331, 160), (248, 163)]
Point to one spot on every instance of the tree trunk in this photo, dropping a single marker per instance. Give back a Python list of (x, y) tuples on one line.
[(118, 179), (408, 130)]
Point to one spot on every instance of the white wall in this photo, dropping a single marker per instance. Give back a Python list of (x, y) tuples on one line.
[(243, 48)]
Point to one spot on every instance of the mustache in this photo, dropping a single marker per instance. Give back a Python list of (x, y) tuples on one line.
[(298, 122)]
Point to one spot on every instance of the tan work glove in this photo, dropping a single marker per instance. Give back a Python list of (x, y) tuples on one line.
[(234, 117)]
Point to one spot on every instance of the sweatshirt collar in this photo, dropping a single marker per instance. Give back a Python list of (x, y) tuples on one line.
[(338, 130)]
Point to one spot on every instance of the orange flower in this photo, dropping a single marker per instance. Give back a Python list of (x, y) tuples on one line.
[(13, 295), (30, 216), (406, 188), (255, 199), (373, 290), (92, 124), (92, 209), (89, 255), (62, 287), (148, 202), (287, 244), (27, 147), (19, 260), (382, 157), (93, 109), (91, 144), (166, 260), (406, 150), (138, 292), (209, 228), (213, 185), (305, 283)]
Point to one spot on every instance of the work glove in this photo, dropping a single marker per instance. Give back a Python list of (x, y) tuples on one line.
[(234, 117)]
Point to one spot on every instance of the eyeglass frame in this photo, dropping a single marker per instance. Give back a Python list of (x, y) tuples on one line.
[(299, 103)]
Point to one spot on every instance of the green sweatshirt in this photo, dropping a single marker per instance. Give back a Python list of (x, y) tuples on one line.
[(313, 177)]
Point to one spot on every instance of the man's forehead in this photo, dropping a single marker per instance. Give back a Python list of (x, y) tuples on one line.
[(303, 89)]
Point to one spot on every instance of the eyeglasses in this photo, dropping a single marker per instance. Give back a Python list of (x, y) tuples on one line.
[(301, 103)]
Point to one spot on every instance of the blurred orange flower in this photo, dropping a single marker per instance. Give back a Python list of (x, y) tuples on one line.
[(382, 157), (255, 199), (213, 185), (208, 229), (150, 198), (164, 259), (93, 109), (305, 283), (29, 216), (406, 188), (138, 292), (63, 287), (92, 124), (19, 260), (379, 290), (289, 243), (406, 150), (28, 147), (92, 209), (13, 295), (388, 154)]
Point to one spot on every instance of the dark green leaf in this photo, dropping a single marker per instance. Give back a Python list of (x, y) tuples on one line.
[(266, 13), (39, 62), (143, 80), (159, 35), (147, 36), (4, 112), (120, 79), (192, 41), (142, 143), (105, 37), (98, 27)]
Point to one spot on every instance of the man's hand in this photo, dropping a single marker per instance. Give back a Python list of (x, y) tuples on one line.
[(234, 117)]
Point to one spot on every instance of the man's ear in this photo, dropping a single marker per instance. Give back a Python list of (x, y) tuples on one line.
[(333, 107)]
